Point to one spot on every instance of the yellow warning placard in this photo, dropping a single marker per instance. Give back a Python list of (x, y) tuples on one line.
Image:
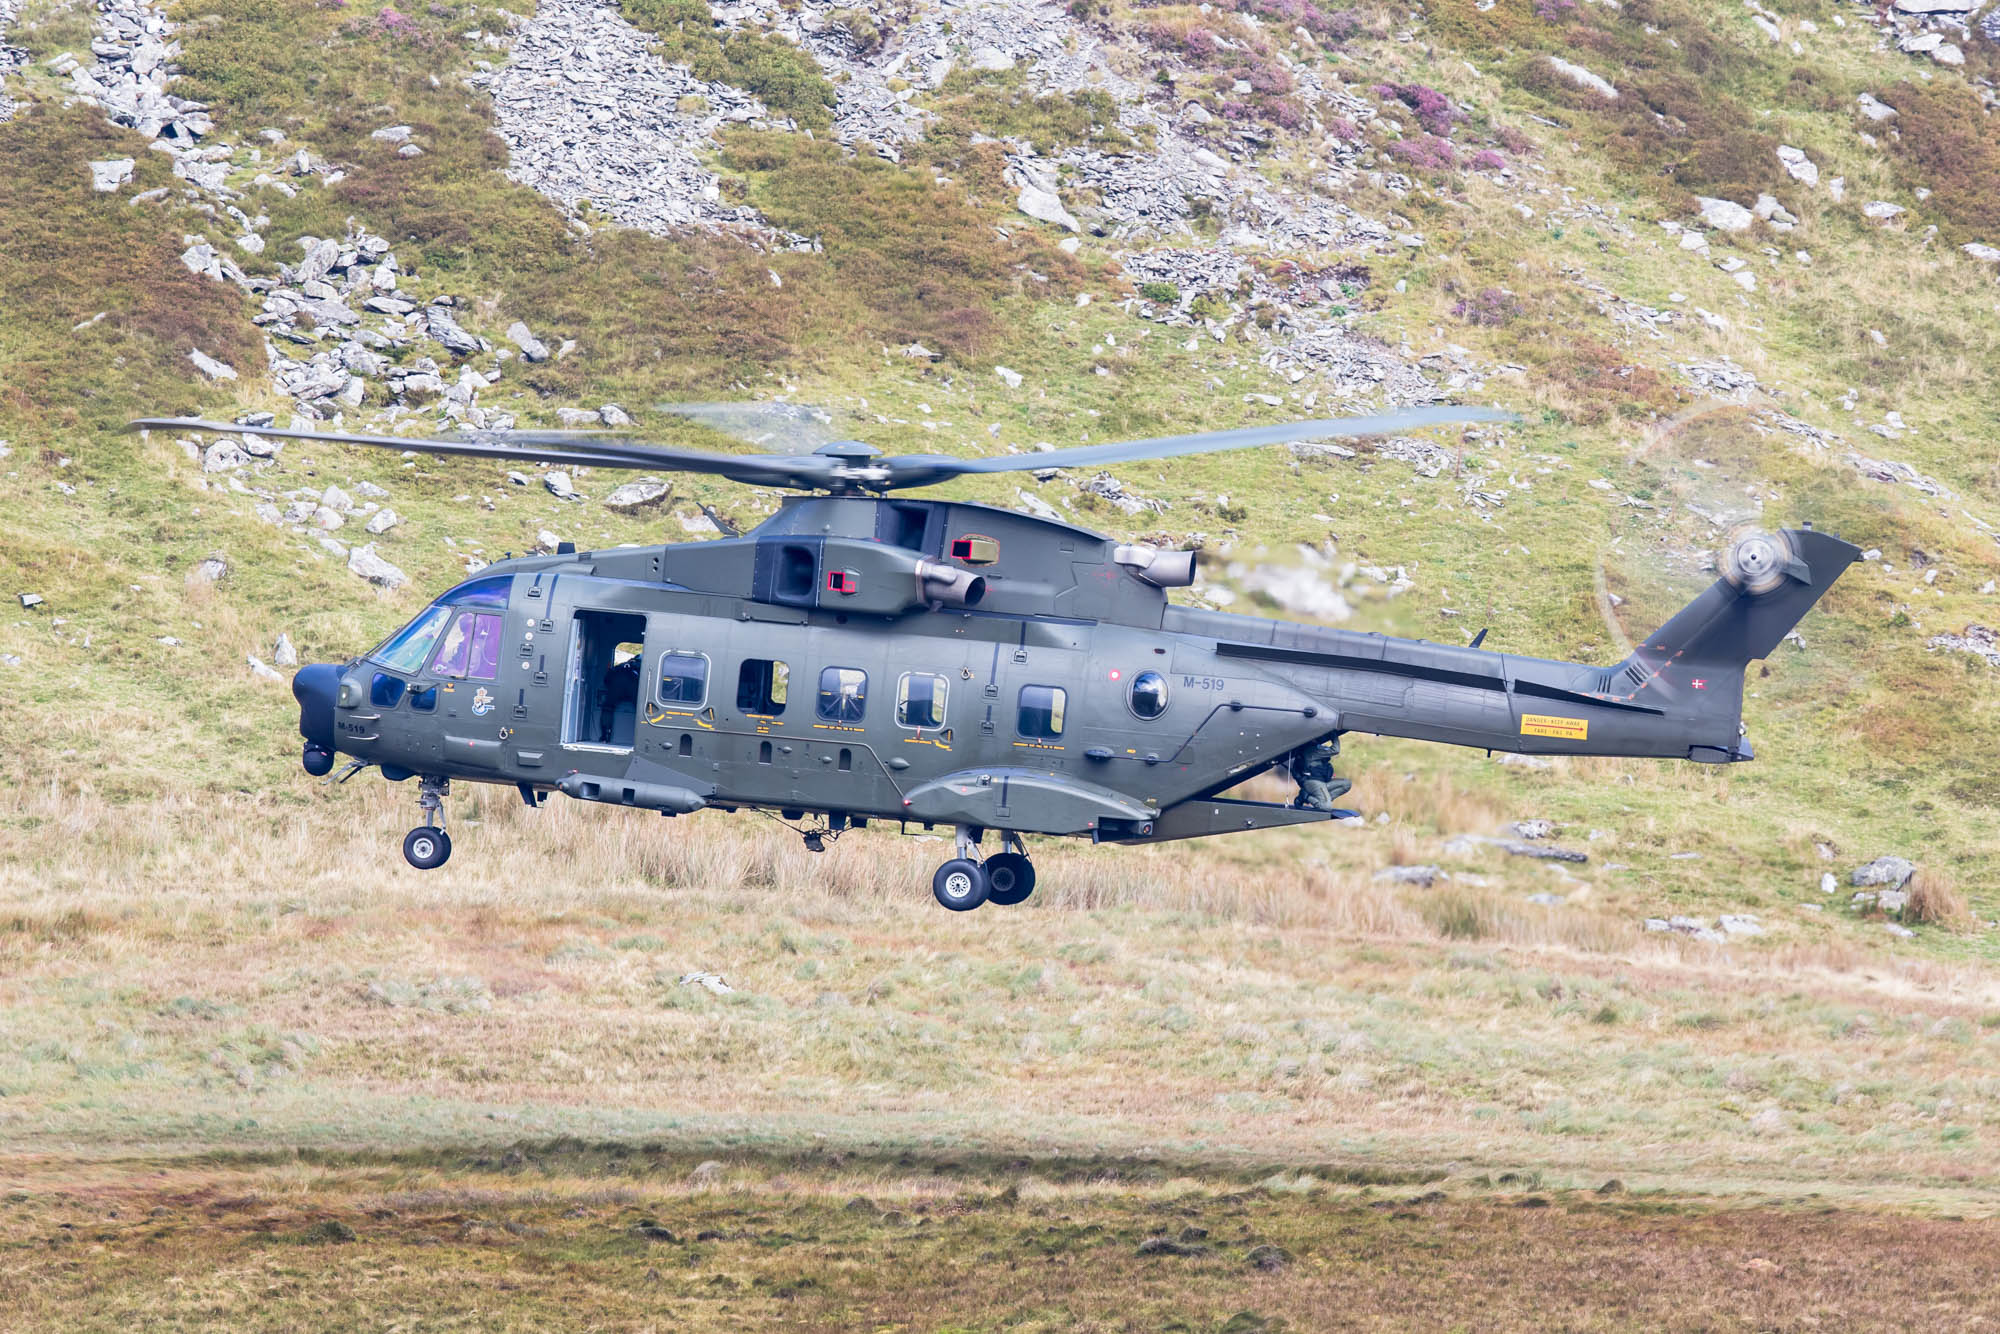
[(1541, 724)]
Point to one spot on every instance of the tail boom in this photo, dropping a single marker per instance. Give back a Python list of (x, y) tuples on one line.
[(1678, 695)]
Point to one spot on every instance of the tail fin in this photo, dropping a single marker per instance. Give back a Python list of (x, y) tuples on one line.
[(1695, 662), (1731, 626)]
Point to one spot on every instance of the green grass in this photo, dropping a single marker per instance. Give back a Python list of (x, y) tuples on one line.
[(787, 79)]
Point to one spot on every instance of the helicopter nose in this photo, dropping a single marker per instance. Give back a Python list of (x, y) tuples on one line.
[(315, 688)]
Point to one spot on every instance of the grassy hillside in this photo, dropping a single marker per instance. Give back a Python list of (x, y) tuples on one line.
[(1872, 743), (201, 950)]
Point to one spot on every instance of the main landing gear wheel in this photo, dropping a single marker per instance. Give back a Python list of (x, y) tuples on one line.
[(1011, 878), (427, 847), (961, 884)]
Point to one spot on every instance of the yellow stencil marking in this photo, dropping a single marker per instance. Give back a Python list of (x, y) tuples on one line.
[(1569, 729)]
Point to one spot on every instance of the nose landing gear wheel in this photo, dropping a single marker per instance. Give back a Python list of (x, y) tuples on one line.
[(1011, 877), (426, 847), (960, 884)]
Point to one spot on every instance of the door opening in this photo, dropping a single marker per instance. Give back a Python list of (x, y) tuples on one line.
[(607, 649)]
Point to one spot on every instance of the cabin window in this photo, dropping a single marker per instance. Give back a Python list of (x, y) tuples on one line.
[(843, 695), (683, 679), (471, 649), (920, 699), (406, 651), (1149, 695), (1041, 712), (425, 700), (761, 686)]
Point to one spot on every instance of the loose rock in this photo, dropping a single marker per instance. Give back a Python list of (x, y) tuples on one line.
[(1798, 166), (1978, 640), (365, 562), (1583, 78), (593, 118), (1725, 215), (533, 348), (1892, 871), (111, 173), (209, 366), (1043, 206), (639, 495)]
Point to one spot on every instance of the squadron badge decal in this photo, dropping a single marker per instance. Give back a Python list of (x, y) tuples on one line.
[(482, 701)]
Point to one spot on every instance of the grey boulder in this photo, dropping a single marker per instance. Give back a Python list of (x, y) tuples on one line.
[(1891, 871), (364, 562)]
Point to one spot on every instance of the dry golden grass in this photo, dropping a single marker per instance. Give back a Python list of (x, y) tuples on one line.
[(1935, 900), (189, 975)]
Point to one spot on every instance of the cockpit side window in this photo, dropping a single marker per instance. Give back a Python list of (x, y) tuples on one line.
[(471, 647), (407, 648)]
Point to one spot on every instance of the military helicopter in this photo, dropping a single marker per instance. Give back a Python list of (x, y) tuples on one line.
[(866, 656)]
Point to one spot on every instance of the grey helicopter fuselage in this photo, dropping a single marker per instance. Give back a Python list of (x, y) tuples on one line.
[(918, 661)]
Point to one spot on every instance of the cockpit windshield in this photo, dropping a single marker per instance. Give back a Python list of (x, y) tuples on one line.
[(488, 592), (408, 647), (407, 650)]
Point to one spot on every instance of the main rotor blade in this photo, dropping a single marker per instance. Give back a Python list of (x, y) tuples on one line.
[(771, 425), (581, 449), (926, 469)]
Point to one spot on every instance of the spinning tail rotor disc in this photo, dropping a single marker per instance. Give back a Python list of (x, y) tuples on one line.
[(1754, 560)]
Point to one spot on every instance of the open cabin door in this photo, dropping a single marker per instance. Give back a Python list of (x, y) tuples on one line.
[(603, 679)]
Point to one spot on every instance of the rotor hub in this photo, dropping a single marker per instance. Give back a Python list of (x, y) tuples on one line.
[(1756, 562)]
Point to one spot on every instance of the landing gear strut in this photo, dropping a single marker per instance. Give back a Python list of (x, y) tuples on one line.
[(964, 882), (428, 847)]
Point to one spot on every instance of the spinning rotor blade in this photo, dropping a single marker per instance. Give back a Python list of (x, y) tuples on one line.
[(586, 449), (841, 465), (926, 469), (785, 428)]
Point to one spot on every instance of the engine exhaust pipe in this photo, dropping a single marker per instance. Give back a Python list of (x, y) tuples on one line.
[(949, 585), (1161, 569)]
